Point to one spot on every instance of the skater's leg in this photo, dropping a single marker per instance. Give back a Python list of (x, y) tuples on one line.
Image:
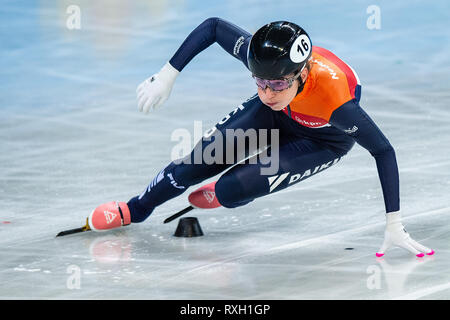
[(299, 160), (178, 176)]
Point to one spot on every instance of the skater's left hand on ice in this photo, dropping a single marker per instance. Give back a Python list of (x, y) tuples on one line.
[(396, 235), (154, 91)]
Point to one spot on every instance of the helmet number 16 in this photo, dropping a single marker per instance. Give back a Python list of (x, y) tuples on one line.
[(304, 45), (300, 49)]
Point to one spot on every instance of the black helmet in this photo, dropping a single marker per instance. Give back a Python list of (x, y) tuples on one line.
[(278, 49)]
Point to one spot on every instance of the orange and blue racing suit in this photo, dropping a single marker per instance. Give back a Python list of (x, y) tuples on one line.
[(318, 127)]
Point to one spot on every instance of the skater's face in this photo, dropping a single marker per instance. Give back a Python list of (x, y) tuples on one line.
[(278, 100)]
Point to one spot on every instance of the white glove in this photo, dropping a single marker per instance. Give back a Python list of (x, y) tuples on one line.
[(154, 91), (396, 235)]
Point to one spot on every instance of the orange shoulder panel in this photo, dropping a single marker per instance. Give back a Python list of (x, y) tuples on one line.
[(325, 90)]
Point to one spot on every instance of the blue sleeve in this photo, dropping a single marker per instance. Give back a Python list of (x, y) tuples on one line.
[(230, 37), (352, 119)]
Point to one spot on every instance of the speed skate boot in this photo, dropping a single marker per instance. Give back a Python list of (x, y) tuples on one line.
[(205, 197), (109, 215)]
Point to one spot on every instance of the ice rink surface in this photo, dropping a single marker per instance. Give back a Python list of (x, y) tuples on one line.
[(72, 138)]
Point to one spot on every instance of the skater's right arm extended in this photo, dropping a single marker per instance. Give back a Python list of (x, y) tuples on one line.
[(154, 91), (230, 37)]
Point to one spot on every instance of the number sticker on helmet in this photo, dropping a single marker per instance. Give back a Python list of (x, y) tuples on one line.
[(300, 49)]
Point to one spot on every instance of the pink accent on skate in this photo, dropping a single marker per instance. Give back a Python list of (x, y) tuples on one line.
[(379, 254), (107, 216), (420, 255), (204, 197), (430, 253)]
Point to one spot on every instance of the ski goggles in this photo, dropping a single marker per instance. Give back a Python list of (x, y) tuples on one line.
[(277, 84)]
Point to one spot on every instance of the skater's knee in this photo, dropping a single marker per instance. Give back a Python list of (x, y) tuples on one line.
[(230, 191), (191, 174)]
